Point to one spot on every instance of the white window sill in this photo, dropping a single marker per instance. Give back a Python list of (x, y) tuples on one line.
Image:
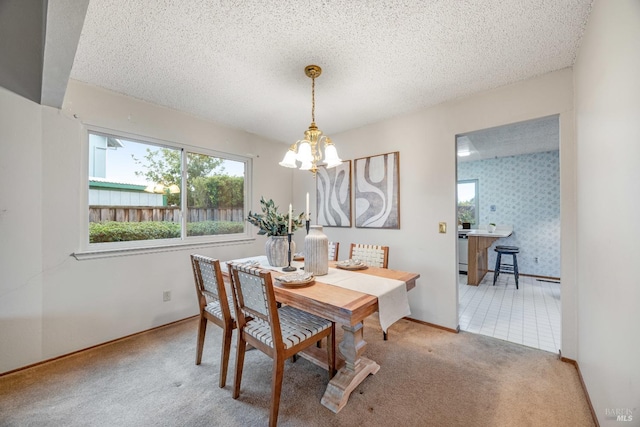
[(109, 253)]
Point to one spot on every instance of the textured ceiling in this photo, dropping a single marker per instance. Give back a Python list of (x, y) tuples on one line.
[(532, 136), (240, 63)]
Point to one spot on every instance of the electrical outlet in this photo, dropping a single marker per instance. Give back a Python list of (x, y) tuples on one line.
[(535, 260), (166, 296)]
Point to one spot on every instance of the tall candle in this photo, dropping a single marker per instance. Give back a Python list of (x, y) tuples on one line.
[(290, 214), (307, 207)]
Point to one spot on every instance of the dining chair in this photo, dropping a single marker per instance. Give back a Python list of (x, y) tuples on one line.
[(334, 247), (280, 333), (373, 256), (215, 306)]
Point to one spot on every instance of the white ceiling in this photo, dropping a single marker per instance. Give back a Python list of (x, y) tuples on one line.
[(241, 63), (533, 136)]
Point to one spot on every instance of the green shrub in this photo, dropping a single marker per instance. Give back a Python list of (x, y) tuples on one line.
[(113, 231), (206, 228)]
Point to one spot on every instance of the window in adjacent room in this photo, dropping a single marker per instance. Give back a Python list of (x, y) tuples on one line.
[(162, 193), (468, 202)]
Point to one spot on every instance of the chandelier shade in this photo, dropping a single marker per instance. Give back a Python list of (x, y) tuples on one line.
[(162, 189), (307, 151)]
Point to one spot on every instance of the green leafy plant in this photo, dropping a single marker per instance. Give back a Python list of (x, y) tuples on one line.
[(272, 223)]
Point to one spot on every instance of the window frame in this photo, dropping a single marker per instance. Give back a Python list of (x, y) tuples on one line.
[(109, 249)]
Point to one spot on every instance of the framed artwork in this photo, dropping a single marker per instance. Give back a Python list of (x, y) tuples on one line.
[(333, 195), (377, 191)]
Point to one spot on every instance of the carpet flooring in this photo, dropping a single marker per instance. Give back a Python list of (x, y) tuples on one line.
[(428, 377)]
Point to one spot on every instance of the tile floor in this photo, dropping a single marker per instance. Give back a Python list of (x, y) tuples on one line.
[(528, 316)]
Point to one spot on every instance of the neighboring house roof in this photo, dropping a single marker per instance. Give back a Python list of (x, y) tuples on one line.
[(114, 142), (115, 185)]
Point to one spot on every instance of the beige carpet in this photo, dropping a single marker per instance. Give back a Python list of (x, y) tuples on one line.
[(428, 377)]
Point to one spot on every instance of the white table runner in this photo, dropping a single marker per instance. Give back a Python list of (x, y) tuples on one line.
[(393, 302)]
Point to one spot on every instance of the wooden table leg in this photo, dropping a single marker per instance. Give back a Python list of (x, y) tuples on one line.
[(355, 370)]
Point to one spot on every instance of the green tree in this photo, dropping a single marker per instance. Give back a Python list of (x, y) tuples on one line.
[(163, 166), (218, 191), (466, 211)]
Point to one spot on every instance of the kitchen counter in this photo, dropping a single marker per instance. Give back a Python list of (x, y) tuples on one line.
[(479, 241), (502, 231)]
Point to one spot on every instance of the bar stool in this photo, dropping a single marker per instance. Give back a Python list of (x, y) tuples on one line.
[(506, 268)]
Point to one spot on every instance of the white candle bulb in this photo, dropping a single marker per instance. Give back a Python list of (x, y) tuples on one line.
[(307, 207), (290, 213)]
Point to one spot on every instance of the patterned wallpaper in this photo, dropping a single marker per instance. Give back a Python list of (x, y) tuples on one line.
[(525, 192)]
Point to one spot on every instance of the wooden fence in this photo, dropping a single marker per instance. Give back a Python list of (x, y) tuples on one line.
[(161, 213)]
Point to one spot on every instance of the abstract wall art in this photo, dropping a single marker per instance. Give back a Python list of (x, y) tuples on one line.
[(333, 195), (377, 191)]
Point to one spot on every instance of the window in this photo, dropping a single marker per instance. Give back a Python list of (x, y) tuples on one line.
[(468, 202), (156, 194)]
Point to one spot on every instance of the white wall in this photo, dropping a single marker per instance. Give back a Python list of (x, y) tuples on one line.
[(20, 231), (607, 106), (84, 303), (426, 142), (52, 304)]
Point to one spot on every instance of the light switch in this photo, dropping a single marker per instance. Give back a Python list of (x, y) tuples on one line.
[(442, 227)]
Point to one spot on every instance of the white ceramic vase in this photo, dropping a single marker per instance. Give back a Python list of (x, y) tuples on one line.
[(316, 251), (277, 248)]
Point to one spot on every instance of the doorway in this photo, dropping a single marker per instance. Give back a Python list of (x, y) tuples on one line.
[(516, 169)]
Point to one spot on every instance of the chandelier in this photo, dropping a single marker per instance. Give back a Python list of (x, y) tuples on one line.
[(307, 150)]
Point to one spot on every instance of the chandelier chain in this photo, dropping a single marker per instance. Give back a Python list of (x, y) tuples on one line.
[(313, 99)]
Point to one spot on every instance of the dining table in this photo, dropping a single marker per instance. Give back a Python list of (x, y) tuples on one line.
[(346, 297)]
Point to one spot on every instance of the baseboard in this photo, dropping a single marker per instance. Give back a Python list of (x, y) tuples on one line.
[(95, 346), (555, 279), (584, 386), (433, 325)]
